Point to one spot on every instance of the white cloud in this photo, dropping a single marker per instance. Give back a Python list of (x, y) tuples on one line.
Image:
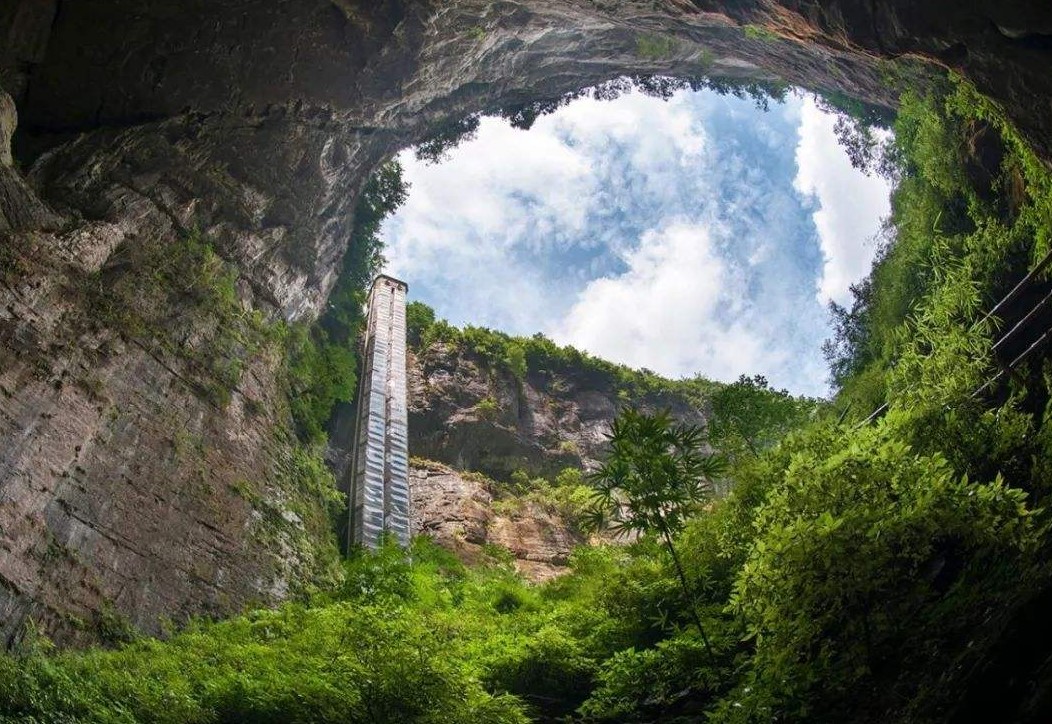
[(480, 224), (507, 190), (668, 235), (849, 204), (679, 308)]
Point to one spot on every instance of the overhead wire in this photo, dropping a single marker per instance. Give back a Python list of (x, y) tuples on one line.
[(1008, 298)]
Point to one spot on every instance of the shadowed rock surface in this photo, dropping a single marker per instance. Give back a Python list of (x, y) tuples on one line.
[(473, 417), (146, 462)]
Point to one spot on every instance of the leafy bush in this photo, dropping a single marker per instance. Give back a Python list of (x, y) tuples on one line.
[(379, 652), (321, 360), (652, 681), (656, 47), (549, 667), (839, 571), (749, 416), (759, 32), (488, 408), (418, 319), (449, 134)]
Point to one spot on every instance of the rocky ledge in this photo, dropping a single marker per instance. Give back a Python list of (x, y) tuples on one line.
[(457, 511)]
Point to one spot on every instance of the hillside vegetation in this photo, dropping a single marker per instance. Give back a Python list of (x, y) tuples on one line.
[(895, 570), (744, 416)]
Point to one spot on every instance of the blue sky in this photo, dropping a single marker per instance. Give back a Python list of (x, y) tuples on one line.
[(697, 235)]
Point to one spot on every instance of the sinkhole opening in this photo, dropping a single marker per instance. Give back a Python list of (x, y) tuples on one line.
[(701, 233)]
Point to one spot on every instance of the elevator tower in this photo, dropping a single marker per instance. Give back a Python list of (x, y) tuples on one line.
[(379, 490)]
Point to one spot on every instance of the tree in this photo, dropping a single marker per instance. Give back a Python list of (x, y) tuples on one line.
[(851, 347), (749, 416), (384, 192), (418, 319), (446, 137), (655, 477), (322, 360)]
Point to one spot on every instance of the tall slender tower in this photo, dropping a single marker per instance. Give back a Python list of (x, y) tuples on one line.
[(379, 491)]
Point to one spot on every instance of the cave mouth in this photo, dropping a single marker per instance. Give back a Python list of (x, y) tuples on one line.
[(700, 233)]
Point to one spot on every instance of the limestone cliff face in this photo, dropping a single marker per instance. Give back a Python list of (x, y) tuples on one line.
[(379, 67), (145, 463), (474, 417), (472, 425), (457, 511)]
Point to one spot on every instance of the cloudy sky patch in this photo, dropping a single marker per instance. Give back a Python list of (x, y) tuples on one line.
[(847, 203), (697, 235)]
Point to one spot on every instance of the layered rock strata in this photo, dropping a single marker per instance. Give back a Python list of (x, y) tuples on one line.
[(457, 511)]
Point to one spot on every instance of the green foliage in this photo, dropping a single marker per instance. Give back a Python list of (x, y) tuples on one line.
[(539, 356), (653, 479), (657, 86), (567, 496), (656, 47), (318, 374), (570, 502), (865, 573), (759, 32), (488, 408), (515, 360), (841, 575), (321, 360), (569, 447), (550, 668), (451, 133), (295, 513), (112, 628), (857, 129), (957, 239), (749, 416), (655, 476), (651, 680), (418, 319), (947, 354), (180, 299), (385, 648)]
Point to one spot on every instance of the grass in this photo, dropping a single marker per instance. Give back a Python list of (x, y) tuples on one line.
[(656, 47), (759, 32)]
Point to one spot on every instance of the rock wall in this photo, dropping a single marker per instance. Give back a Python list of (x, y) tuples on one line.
[(145, 463), (474, 417), (397, 65), (457, 511), (473, 425)]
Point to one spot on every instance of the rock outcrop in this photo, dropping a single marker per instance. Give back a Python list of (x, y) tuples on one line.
[(145, 460), (457, 511), (479, 418)]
